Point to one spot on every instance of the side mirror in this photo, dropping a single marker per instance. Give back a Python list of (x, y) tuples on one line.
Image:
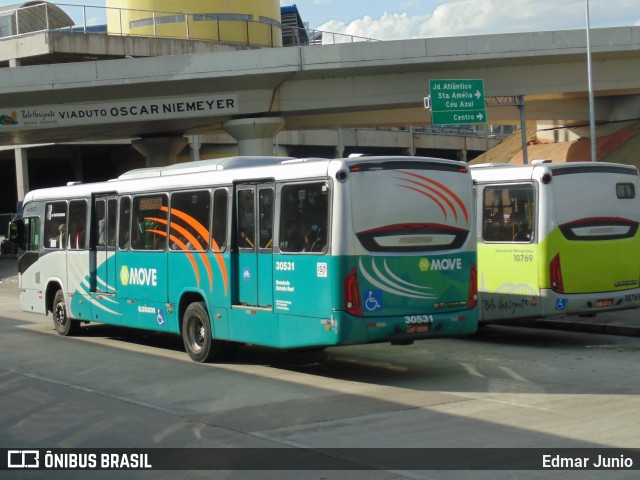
[(16, 233)]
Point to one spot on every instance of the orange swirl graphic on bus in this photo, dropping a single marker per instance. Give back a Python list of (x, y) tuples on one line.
[(444, 197), (198, 239)]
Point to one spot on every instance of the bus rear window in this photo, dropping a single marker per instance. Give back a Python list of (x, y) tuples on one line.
[(625, 190)]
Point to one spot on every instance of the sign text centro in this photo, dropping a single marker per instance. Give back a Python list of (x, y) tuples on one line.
[(44, 116)]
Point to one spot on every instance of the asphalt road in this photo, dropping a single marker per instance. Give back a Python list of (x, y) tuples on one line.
[(506, 387)]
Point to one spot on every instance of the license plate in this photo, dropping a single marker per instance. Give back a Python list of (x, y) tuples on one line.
[(604, 302), (417, 328)]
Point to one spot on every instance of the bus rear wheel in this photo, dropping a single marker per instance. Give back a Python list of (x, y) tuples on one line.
[(64, 325), (196, 335)]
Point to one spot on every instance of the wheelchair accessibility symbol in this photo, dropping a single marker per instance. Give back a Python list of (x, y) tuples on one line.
[(561, 304), (373, 303)]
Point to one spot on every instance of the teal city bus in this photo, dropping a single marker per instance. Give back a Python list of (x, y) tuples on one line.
[(282, 252)]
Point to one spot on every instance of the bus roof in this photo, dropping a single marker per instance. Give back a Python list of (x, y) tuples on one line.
[(214, 172), (509, 171)]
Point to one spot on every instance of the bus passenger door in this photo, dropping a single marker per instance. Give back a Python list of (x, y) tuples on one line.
[(102, 263), (508, 252), (254, 236)]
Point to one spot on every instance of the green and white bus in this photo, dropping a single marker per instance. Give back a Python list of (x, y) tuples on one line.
[(557, 239), (286, 253)]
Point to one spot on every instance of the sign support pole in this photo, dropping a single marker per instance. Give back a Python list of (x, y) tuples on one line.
[(592, 123), (523, 129)]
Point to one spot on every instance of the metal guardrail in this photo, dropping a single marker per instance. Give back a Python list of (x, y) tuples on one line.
[(501, 132), (93, 19), (320, 37)]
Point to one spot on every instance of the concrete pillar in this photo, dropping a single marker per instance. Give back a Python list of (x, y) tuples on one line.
[(160, 151), (412, 148), (22, 172), (20, 156), (340, 145), (195, 144), (254, 135)]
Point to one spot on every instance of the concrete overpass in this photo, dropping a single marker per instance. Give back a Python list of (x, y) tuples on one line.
[(253, 94), (347, 85)]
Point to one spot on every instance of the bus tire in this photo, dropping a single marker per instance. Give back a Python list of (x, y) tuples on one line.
[(64, 325), (196, 335)]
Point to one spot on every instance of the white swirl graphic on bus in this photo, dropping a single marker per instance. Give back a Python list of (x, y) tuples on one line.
[(390, 282)]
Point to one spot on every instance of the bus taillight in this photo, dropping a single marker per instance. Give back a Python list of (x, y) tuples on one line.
[(556, 275), (352, 301), (472, 301)]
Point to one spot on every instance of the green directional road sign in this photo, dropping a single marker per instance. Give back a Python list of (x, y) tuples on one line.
[(455, 102), (458, 117)]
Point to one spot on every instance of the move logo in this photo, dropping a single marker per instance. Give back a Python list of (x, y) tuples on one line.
[(440, 264), (139, 276)]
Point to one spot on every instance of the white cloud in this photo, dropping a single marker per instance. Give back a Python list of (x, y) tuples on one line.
[(389, 26), (470, 17)]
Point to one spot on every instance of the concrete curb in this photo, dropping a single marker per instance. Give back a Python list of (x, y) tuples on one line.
[(581, 326)]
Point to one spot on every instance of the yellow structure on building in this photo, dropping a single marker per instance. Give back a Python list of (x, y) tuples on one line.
[(246, 22)]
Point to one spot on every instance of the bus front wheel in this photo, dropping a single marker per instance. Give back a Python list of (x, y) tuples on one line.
[(64, 325)]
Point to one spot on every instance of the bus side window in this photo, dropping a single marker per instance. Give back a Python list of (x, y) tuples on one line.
[(77, 224), (100, 224), (112, 217), (508, 214), (124, 232), (304, 213), (55, 225), (523, 213), (219, 229), (149, 231), (265, 212), (32, 234), (189, 223), (246, 220)]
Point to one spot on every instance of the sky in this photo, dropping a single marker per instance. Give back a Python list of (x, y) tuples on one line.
[(405, 19)]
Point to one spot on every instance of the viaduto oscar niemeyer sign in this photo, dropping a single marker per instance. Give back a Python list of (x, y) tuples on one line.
[(456, 102), (49, 116)]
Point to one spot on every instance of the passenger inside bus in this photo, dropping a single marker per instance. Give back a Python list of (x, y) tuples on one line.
[(246, 226), (62, 236), (101, 231), (524, 232), (77, 237)]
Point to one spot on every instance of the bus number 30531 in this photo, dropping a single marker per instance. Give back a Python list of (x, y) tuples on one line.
[(286, 266), (409, 319)]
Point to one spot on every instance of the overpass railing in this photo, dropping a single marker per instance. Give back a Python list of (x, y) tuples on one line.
[(93, 19)]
